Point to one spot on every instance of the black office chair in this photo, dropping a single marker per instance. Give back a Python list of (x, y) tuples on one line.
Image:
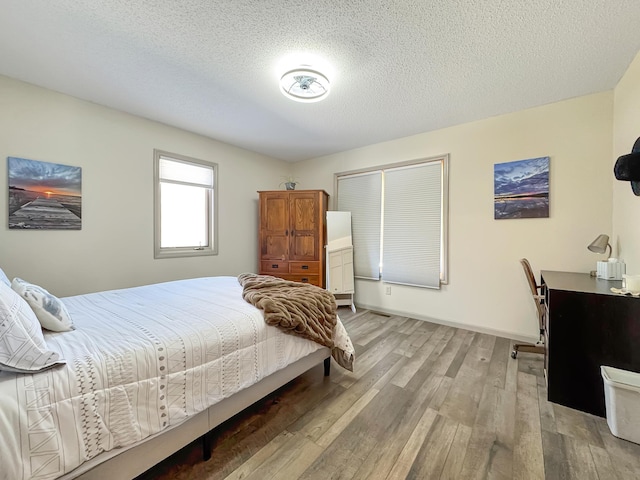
[(539, 301)]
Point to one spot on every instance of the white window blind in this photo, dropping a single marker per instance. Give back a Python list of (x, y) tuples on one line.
[(361, 195), (412, 225), (185, 173), (399, 212)]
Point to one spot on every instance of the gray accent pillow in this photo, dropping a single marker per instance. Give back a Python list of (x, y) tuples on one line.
[(49, 309), (22, 345)]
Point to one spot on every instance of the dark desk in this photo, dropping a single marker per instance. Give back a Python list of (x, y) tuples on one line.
[(586, 326)]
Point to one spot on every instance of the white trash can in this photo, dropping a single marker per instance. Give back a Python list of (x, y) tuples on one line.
[(622, 401)]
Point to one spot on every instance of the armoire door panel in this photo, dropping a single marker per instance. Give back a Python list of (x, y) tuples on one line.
[(304, 213), (274, 247), (304, 247), (275, 216)]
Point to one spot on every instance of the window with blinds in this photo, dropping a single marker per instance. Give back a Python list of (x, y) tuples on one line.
[(361, 194), (184, 206), (399, 220)]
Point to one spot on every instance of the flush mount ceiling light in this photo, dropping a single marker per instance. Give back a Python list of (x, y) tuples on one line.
[(304, 85)]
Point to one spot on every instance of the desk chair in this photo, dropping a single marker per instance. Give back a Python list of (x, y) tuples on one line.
[(539, 301)]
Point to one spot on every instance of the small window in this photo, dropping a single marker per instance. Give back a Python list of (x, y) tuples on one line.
[(185, 206)]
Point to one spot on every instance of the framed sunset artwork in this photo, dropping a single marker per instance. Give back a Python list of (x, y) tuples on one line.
[(44, 195), (521, 189)]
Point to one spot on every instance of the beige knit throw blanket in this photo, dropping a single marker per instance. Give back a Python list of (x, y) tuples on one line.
[(300, 309), (296, 308)]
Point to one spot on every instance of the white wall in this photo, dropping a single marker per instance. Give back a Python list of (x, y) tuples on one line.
[(487, 290), (114, 249), (626, 129)]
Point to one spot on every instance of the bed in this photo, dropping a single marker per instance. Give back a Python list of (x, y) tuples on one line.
[(146, 371)]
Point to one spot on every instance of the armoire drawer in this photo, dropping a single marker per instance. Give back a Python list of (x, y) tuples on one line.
[(269, 267), (304, 268), (312, 279)]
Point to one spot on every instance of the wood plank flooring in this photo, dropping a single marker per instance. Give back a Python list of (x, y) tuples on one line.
[(426, 401)]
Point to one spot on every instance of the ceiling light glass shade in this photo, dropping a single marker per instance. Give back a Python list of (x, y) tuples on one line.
[(304, 85), (600, 244)]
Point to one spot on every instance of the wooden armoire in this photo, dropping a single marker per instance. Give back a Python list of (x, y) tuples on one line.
[(293, 234)]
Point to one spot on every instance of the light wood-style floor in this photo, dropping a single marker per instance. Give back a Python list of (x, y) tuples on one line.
[(425, 402)]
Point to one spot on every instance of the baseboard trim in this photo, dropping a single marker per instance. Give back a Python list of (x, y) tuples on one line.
[(473, 328)]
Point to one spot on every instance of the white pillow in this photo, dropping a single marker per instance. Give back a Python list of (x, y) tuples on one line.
[(22, 345), (4, 278), (50, 310)]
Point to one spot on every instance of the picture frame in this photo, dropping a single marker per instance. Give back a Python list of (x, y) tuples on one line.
[(44, 195), (521, 189)]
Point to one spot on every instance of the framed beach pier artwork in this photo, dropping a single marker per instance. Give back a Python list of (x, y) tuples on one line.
[(521, 189), (44, 195)]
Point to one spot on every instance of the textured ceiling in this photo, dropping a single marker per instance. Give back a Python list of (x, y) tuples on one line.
[(397, 67)]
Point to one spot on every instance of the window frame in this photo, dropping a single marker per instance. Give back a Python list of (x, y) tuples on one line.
[(212, 209), (444, 186)]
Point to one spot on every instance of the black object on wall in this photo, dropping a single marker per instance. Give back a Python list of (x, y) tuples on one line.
[(627, 168)]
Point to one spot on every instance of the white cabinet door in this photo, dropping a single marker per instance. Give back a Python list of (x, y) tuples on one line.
[(341, 270), (347, 270), (335, 271)]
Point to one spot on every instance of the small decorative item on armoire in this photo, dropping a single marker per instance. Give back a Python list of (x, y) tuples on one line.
[(289, 182)]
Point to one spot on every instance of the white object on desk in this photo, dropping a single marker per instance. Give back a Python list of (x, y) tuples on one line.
[(631, 283), (611, 270), (623, 291)]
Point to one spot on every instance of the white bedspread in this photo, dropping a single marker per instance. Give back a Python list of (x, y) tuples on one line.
[(140, 360)]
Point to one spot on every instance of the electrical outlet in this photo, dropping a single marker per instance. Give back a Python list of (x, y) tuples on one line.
[(387, 290)]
